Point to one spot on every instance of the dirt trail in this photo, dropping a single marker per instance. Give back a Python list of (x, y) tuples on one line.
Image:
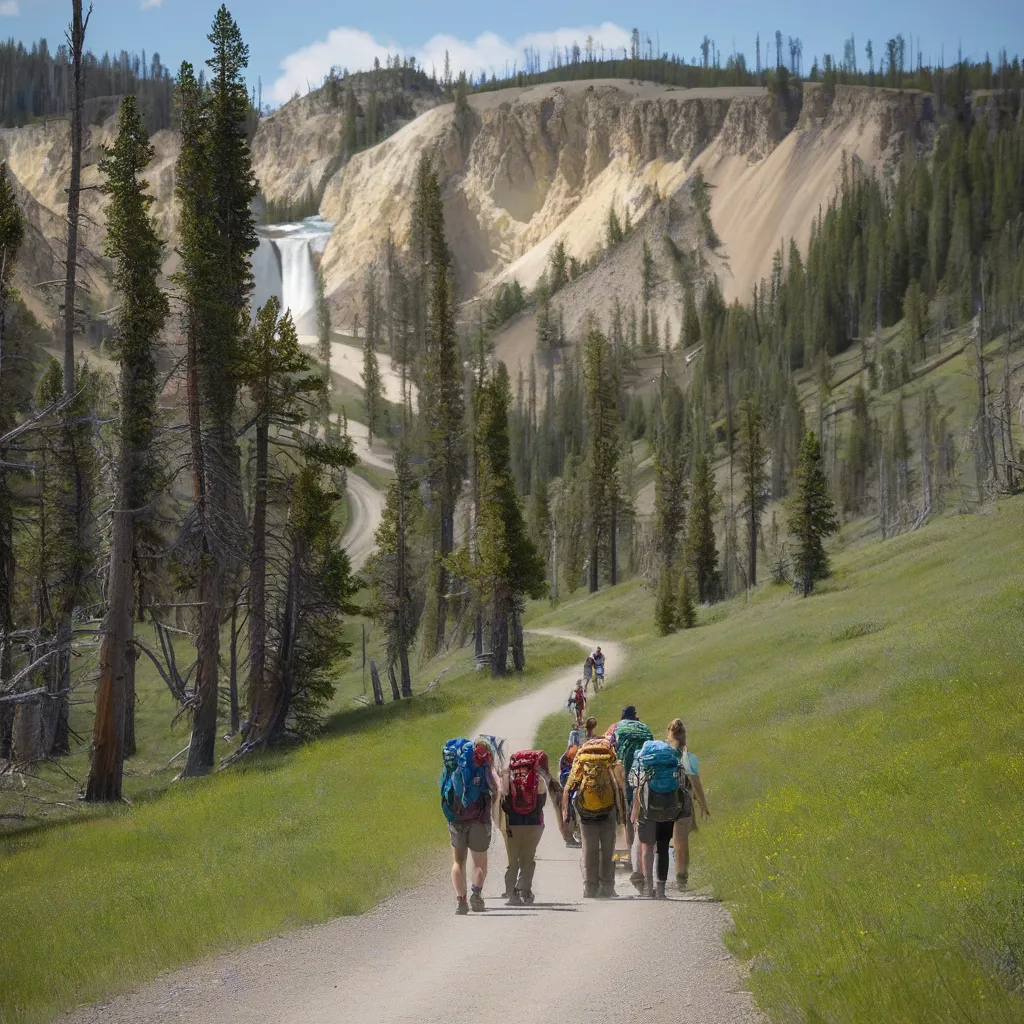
[(412, 961), (365, 508)]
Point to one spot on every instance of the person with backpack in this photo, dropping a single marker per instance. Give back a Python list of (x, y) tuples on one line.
[(591, 726), (598, 659), (687, 823), (630, 735), (577, 703), (661, 798), (527, 784), (468, 788), (588, 671), (569, 825), (594, 791)]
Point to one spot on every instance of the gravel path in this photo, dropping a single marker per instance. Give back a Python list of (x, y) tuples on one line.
[(412, 961)]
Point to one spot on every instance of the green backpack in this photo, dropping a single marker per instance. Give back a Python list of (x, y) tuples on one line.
[(630, 736)]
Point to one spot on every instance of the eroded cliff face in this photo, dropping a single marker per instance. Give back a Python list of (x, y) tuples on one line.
[(525, 169), (531, 166)]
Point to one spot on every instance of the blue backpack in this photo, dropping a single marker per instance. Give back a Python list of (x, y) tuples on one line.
[(659, 765), (463, 784)]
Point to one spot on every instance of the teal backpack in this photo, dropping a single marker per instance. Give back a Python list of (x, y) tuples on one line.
[(630, 736), (463, 783)]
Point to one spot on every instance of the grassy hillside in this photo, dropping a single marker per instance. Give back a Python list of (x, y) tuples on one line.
[(861, 750), (280, 841)]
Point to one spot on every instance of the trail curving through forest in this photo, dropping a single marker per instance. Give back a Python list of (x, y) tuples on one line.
[(412, 961)]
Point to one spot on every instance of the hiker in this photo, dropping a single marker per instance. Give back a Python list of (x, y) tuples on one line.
[(676, 736), (630, 735), (527, 784), (661, 797), (591, 726), (468, 787), (567, 822), (598, 659), (588, 671), (594, 790), (577, 702)]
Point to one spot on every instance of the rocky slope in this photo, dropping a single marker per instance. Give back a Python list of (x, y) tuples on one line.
[(527, 168)]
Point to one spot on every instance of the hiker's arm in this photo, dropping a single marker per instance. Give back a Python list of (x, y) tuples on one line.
[(699, 791)]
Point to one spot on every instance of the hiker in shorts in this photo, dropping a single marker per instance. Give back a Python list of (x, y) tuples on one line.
[(525, 790), (577, 703), (630, 736), (594, 790), (598, 659), (676, 736), (469, 786)]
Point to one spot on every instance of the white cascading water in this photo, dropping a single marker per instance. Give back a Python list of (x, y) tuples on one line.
[(283, 266)]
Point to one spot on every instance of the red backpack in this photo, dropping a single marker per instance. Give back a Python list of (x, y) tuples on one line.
[(522, 780)]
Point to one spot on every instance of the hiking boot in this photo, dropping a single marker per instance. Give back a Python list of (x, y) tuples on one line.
[(590, 890), (659, 892), (682, 880), (608, 892), (476, 902), (515, 900), (461, 906), (573, 844), (637, 878), (649, 892), (528, 898)]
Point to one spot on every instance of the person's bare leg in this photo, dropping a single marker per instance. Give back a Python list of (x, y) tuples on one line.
[(459, 873), (681, 841), (479, 869)]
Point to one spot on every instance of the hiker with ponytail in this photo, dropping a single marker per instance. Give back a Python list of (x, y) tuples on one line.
[(676, 737)]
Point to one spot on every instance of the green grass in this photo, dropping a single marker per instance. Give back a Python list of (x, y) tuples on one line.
[(863, 759), (293, 837)]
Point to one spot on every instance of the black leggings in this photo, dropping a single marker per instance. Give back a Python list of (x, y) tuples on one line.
[(663, 838)]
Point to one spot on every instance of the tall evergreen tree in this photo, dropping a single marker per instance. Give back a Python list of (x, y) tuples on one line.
[(391, 571), (811, 516), (701, 549), (373, 384), (12, 232), (215, 186), (444, 402), (137, 254), (754, 472)]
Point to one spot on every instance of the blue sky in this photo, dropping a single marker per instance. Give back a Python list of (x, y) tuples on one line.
[(292, 42)]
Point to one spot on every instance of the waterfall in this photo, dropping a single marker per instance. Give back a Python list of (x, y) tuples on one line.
[(283, 266)]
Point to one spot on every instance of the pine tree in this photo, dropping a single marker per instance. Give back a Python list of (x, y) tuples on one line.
[(811, 516), (686, 614), (373, 384), (604, 445), (12, 232), (691, 320), (390, 570), (215, 186), (137, 253), (755, 479), (701, 550), (647, 273), (665, 605), (444, 406), (276, 373)]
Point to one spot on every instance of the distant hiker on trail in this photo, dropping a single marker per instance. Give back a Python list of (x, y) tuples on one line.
[(630, 735), (591, 726), (568, 824), (686, 824), (577, 703), (527, 784), (594, 789), (588, 671), (598, 659), (661, 798), (468, 787)]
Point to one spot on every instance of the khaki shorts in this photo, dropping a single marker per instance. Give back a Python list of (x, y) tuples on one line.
[(474, 835)]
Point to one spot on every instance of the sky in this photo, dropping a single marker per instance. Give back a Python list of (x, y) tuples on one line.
[(293, 44)]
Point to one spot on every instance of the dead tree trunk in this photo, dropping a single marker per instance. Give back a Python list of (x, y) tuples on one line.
[(518, 649), (378, 691), (257, 581), (396, 694), (131, 657)]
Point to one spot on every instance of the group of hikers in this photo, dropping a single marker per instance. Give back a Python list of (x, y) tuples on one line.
[(623, 781)]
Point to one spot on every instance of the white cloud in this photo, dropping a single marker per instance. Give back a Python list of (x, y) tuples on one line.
[(355, 50), (9, 8), (147, 4)]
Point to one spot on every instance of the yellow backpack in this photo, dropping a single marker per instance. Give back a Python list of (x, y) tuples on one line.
[(595, 793)]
